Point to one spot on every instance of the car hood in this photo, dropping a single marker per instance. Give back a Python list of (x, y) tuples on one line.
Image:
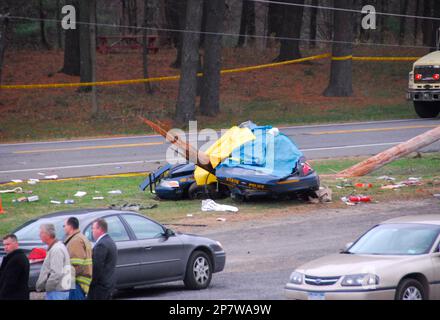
[(346, 264)]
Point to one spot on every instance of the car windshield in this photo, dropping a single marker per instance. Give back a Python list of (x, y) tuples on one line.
[(397, 239), (31, 231)]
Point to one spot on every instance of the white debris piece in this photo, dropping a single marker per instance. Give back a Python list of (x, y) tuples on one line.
[(221, 219), (16, 190), (211, 205), (33, 198), (53, 177), (387, 178), (41, 173), (80, 194), (16, 180), (115, 192), (33, 181), (98, 198), (55, 202)]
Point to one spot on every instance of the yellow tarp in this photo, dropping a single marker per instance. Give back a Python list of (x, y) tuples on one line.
[(220, 150)]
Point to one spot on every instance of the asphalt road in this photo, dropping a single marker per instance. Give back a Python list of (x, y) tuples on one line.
[(261, 255), (143, 153)]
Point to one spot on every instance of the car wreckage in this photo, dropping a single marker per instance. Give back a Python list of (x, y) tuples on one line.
[(248, 161)]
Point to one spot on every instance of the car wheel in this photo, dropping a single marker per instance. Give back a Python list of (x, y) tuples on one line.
[(426, 110), (410, 289), (196, 192), (198, 272)]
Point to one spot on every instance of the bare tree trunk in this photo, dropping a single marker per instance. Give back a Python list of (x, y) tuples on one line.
[(416, 22), (313, 24), (148, 86), (247, 22), (427, 24), (341, 67), (3, 41), (59, 29), (210, 97), (43, 34), (71, 47), (292, 23), (185, 108), (176, 13), (392, 154), (403, 11)]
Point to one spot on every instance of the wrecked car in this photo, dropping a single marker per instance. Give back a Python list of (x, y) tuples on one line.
[(249, 161)]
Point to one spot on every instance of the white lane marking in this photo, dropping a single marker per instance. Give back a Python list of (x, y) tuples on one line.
[(354, 146), (83, 166), (156, 136)]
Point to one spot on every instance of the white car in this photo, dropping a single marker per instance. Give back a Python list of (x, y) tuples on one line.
[(397, 259)]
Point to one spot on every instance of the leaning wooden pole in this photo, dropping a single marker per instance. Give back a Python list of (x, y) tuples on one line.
[(392, 154), (185, 149)]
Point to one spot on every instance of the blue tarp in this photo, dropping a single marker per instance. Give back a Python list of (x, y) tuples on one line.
[(275, 156)]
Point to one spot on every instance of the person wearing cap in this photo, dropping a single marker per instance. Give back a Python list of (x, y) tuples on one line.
[(56, 273), (80, 251), (14, 271)]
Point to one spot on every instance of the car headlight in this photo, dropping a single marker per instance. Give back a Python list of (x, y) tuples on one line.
[(296, 278), (169, 184), (360, 280)]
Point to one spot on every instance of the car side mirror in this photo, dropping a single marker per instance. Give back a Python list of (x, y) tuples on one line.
[(347, 246), (169, 233)]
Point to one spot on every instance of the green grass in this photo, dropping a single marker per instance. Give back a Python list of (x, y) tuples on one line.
[(427, 167)]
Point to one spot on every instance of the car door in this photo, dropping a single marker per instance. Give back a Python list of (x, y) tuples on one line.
[(162, 256), (435, 284), (128, 264)]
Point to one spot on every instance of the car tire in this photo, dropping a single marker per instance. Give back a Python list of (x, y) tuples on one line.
[(427, 110), (196, 192), (198, 271), (410, 289)]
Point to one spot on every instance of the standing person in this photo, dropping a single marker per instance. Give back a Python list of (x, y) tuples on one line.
[(56, 273), (14, 271), (80, 251), (105, 255)]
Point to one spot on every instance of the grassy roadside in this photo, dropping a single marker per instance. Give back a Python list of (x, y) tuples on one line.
[(171, 212)]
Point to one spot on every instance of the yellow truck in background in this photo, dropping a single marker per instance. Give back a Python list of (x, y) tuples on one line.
[(424, 85)]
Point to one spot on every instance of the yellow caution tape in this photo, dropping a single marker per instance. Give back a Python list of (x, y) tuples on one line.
[(228, 71)]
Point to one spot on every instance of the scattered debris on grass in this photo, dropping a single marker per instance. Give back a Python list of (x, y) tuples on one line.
[(69, 201), (55, 202), (115, 192), (354, 200), (53, 177), (80, 194), (221, 219), (15, 190), (33, 181), (211, 205), (323, 195), (98, 198), (132, 207), (17, 181)]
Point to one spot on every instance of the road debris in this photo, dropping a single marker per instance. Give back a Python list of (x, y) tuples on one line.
[(115, 192), (323, 195), (211, 205), (33, 199), (132, 207), (69, 201), (17, 181), (19, 200), (364, 185), (80, 194), (189, 215), (33, 181), (354, 200), (15, 190), (53, 177), (55, 202), (386, 178), (221, 219), (98, 198)]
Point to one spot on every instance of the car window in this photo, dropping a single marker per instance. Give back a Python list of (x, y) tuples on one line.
[(143, 228), (31, 231), (116, 230)]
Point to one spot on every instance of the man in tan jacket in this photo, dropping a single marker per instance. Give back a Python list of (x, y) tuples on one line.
[(80, 251)]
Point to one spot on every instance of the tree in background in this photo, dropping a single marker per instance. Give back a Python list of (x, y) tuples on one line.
[(72, 59), (185, 108), (341, 70), (247, 22), (291, 28), (210, 95)]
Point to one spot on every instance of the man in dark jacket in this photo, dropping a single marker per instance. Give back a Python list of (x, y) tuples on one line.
[(104, 258), (14, 271)]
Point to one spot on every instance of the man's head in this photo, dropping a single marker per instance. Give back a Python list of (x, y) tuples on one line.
[(47, 233), (71, 225), (10, 243), (99, 227)]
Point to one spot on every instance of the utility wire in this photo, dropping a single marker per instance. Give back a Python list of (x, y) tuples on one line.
[(227, 34)]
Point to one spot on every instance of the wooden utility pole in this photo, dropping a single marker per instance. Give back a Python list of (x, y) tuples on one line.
[(393, 154)]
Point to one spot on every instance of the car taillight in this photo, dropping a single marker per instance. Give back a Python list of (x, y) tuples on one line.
[(436, 77), (418, 76), (306, 169)]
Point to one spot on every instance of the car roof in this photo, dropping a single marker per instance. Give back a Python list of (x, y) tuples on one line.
[(84, 213), (433, 219)]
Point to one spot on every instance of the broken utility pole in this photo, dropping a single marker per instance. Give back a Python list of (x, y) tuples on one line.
[(392, 154)]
